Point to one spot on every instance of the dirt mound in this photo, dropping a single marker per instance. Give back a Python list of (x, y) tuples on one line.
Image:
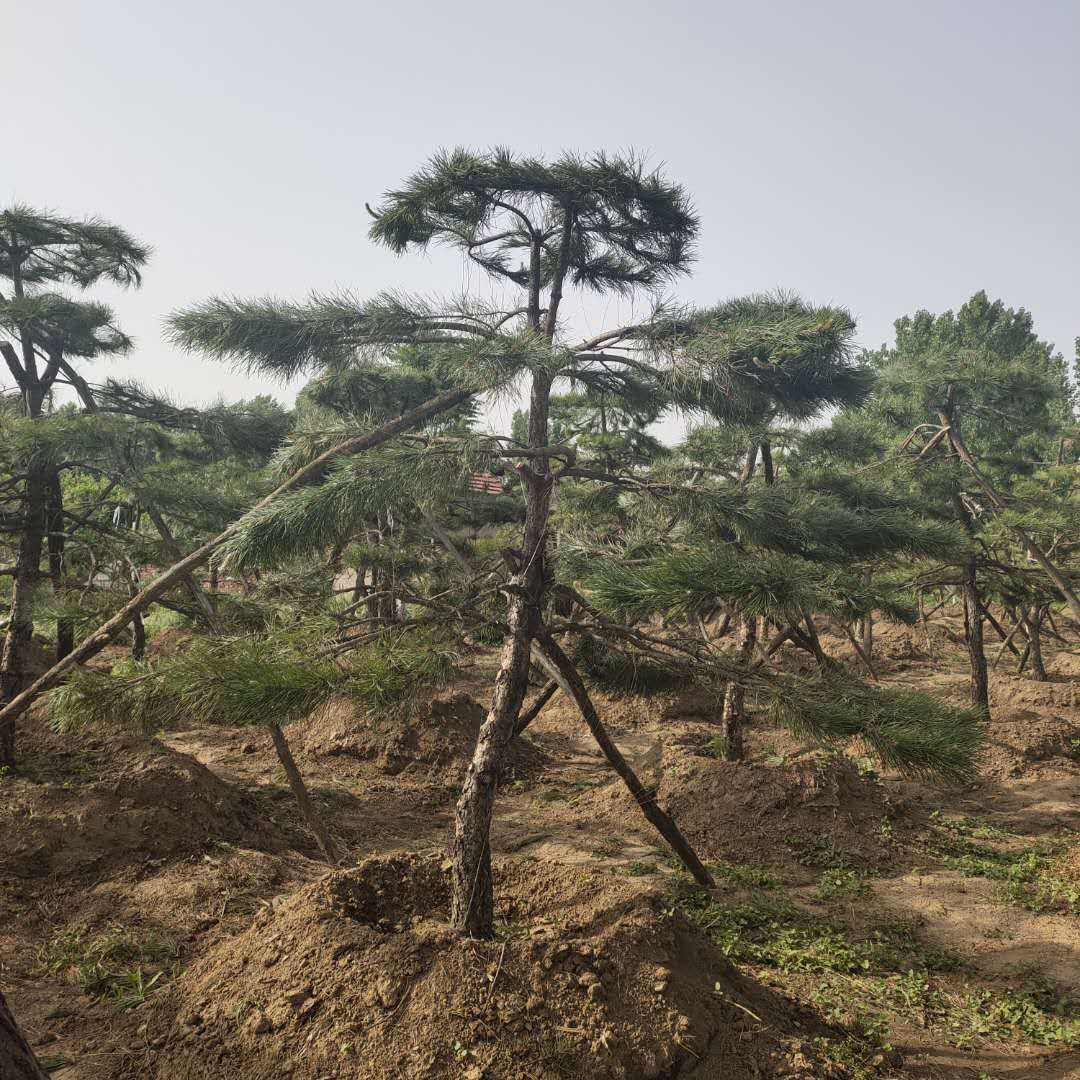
[(896, 647), (359, 975), (435, 741), (1010, 692), (1031, 742), (811, 810), (168, 643), (102, 803)]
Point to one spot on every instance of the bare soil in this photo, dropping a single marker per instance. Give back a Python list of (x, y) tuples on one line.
[(285, 968)]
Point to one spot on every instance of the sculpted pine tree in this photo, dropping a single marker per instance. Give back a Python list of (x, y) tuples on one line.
[(602, 223)]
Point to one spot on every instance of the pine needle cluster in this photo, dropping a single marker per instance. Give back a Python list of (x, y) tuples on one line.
[(915, 733), (249, 681)]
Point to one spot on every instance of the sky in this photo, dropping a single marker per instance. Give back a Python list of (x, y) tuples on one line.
[(883, 156)]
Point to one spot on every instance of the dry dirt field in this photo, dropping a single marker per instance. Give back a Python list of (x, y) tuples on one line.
[(163, 914)]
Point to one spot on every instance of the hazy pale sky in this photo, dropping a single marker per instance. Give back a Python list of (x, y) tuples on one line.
[(885, 156)]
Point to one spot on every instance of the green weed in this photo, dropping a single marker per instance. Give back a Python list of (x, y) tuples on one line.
[(118, 964), (845, 882), (636, 869), (1035, 1011), (775, 933), (823, 853), (968, 826), (716, 747), (1036, 878), (744, 875)]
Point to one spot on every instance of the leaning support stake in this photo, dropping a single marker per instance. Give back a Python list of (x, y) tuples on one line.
[(534, 710), (562, 670), (303, 799)]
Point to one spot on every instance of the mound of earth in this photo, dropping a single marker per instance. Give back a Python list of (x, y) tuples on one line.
[(1031, 742), (435, 741), (168, 643), (1011, 692), (358, 975), (107, 803), (751, 812)]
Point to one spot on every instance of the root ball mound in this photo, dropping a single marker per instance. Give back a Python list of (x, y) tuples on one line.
[(108, 803), (753, 813), (359, 976), (435, 741)]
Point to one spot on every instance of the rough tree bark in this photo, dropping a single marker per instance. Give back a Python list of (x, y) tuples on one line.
[(767, 467), (65, 628), (138, 628), (1033, 625), (472, 907), (34, 385), (472, 897), (18, 639), (734, 714), (17, 1061), (973, 636), (949, 416)]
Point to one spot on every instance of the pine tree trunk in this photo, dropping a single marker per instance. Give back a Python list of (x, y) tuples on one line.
[(138, 627), (20, 632), (472, 895), (767, 468), (973, 627), (749, 465), (472, 898), (65, 628), (17, 1061), (1023, 659), (734, 716), (1033, 624), (303, 800), (868, 625), (138, 637), (472, 891)]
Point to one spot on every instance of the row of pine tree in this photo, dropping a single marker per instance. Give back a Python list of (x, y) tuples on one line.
[(345, 547)]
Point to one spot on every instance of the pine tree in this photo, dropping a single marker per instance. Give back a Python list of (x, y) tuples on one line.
[(46, 333), (977, 403), (600, 223)]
